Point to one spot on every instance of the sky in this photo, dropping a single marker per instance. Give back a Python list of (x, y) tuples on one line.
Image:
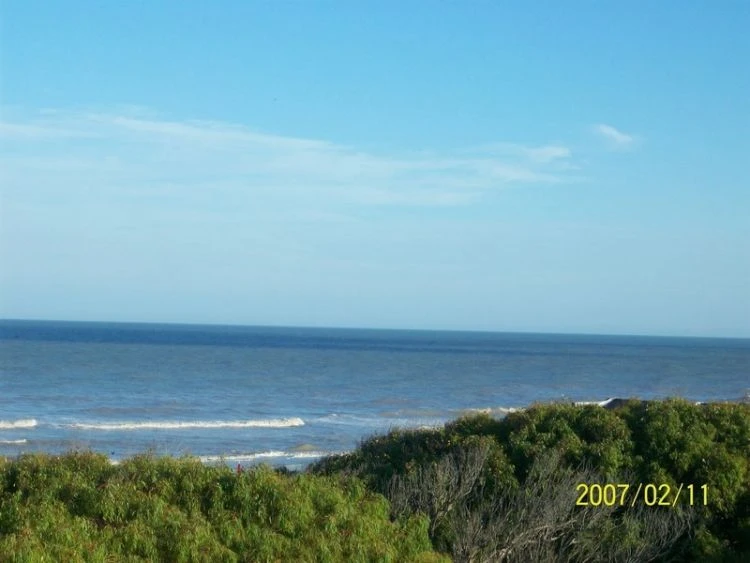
[(529, 166)]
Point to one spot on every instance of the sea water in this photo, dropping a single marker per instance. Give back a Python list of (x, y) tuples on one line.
[(288, 396)]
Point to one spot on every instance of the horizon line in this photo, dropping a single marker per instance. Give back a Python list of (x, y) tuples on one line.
[(365, 328)]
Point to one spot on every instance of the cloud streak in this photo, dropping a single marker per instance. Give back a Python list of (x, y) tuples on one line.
[(614, 137), (132, 154)]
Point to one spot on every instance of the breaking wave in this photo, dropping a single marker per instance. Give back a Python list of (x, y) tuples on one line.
[(21, 423), (492, 411), (13, 442), (272, 454), (188, 424)]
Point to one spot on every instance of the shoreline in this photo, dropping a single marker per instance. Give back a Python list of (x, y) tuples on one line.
[(301, 457), (547, 463)]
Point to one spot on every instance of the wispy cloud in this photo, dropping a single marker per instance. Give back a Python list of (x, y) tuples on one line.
[(549, 153), (31, 131), (614, 137), (139, 153)]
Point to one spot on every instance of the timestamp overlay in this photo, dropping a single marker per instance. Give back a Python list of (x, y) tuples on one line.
[(647, 494)]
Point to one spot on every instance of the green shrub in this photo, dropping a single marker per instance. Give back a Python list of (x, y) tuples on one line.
[(660, 442), (479, 489), (78, 507)]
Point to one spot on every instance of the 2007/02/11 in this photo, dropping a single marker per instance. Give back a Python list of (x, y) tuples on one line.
[(612, 494)]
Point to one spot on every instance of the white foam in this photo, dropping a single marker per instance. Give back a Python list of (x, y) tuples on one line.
[(607, 403), (13, 442), (21, 423), (188, 424), (249, 457), (492, 411)]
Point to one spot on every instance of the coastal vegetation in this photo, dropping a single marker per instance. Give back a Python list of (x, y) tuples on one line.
[(549, 483), (79, 507), (509, 489)]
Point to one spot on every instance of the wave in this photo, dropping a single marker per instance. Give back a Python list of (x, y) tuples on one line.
[(411, 418), (615, 402), (21, 423), (249, 457), (492, 411), (188, 424), (607, 403), (13, 442)]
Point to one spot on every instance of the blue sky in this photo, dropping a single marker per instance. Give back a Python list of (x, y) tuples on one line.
[(514, 166)]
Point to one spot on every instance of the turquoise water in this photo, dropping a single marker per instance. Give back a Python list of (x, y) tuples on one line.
[(290, 395)]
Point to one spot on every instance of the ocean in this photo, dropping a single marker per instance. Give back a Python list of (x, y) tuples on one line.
[(287, 396)]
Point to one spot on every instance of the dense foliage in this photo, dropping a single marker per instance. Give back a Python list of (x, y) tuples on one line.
[(478, 489), (79, 507), (485, 483)]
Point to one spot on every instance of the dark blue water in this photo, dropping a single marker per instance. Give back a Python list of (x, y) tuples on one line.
[(289, 395)]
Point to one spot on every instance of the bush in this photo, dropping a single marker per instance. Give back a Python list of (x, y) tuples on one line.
[(478, 489), (470, 498), (78, 507)]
